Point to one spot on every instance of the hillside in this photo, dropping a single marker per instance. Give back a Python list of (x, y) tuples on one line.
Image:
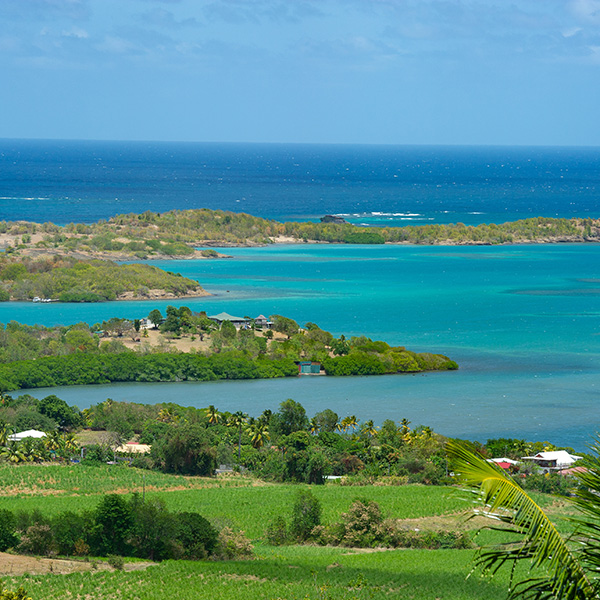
[(67, 279)]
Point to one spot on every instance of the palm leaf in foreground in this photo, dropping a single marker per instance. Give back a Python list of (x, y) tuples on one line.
[(561, 574), (587, 500)]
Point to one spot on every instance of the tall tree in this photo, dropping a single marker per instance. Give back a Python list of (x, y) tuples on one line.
[(237, 419)]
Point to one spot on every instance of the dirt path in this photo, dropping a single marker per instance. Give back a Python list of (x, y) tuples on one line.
[(15, 564)]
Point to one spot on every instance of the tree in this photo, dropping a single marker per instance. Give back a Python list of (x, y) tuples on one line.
[(188, 449), (55, 408), (113, 519), (291, 417), (214, 416), (155, 317), (228, 330), (237, 419), (560, 571), (284, 325), (326, 420)]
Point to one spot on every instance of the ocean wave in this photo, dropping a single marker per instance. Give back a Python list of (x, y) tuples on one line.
[(379, 214), (21, 198)]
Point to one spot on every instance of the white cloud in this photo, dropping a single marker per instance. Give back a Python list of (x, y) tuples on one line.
[(587, 10), (75, 32)]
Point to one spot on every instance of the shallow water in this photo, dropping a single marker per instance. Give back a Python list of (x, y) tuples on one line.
[(522, 321)]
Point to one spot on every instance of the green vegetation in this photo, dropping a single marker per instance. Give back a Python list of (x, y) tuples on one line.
[(558, 568), (177, 232), (37, 356), (85, 511), (67, 279)]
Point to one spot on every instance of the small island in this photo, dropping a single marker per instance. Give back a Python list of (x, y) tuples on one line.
[(193, 346), (190, 233)]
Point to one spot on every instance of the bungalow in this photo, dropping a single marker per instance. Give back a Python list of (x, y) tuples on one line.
[(553, 461), (239, 322), (262, 322)]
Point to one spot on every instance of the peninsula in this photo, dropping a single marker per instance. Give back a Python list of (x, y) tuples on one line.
[(187, 346)]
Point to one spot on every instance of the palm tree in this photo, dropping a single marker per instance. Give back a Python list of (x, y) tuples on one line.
[(563, 571), (237, 419), (53, 441), (258, 433), (70, 443), (214, 416), (352, 422), (344, 424), (313, 426), (369, 428), (167, 415), (404, 427)]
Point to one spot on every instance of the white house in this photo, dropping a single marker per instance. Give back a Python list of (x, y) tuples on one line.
[(554, 460), (30, 433)]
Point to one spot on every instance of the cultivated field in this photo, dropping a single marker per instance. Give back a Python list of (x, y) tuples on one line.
[(277, 573)]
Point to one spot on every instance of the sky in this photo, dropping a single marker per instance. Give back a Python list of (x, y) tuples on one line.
[(506, 72)]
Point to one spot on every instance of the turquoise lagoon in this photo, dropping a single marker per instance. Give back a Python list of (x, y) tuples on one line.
[(522, 322)]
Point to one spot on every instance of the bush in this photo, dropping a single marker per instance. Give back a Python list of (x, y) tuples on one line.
[(96, 454), (360, 526), (196, 535), (277, 532), (233, 544), (38, 540), (116, 562), (8, 537), (306, 515)]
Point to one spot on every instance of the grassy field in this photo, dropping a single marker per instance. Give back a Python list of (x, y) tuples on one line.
[(278, 573), (302, 573)]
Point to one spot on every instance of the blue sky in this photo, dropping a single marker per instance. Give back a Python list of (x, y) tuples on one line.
[(331, 71)]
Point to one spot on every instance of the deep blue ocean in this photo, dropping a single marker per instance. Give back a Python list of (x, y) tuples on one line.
[(522, 321), (78, 181)]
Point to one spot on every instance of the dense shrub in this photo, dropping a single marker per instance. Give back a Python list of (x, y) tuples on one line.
[(306, 515), (8, 537), (197, 537), (187, 450), (38, 540), (277, 532)]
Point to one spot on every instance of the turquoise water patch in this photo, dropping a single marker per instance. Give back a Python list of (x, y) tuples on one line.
[(529, 362)]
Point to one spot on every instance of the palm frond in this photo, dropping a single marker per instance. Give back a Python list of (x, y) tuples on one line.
[(587, 500), (561, 575)]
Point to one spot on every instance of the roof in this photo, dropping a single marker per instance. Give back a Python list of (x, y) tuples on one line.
[(503, 460), (261, 318), (226, 317), (562, 457), (134, 448), (503, 465), (32, 433)]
